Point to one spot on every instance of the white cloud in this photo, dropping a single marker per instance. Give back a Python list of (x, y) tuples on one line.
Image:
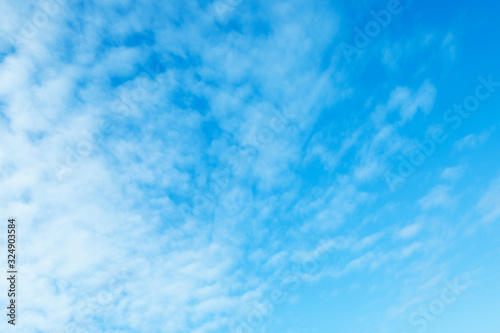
[(453, 173), (409, 231), (472, 140), (116, 206), (439, 196), (408, 103), (489, 204)]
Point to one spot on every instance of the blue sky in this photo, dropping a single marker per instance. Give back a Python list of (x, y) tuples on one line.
[(252, 166)]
